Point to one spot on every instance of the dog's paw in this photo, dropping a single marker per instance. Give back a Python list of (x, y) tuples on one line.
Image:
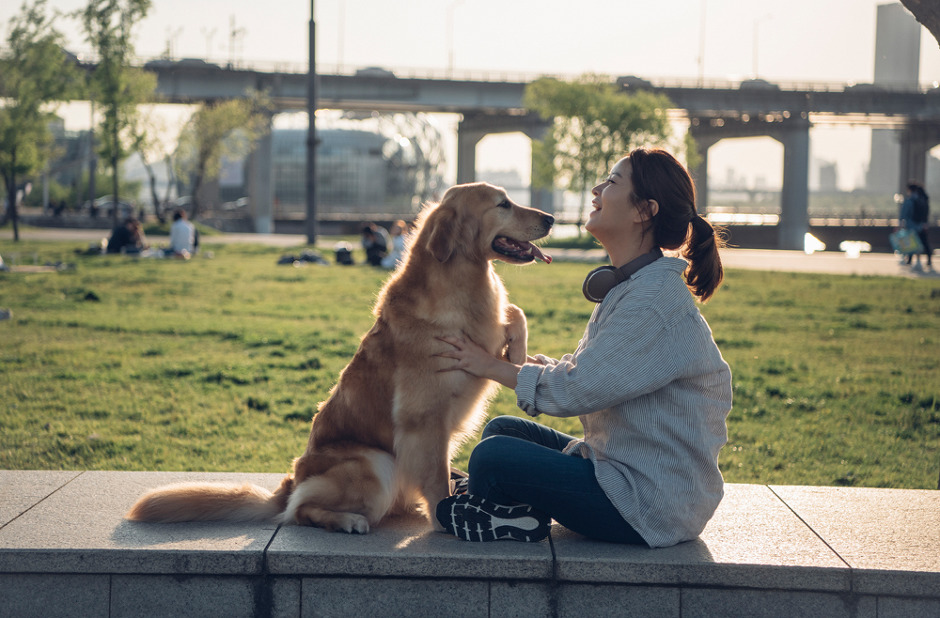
[(516, 335), (354, 524)]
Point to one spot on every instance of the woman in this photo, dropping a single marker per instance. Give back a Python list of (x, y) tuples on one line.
[(647, 381)]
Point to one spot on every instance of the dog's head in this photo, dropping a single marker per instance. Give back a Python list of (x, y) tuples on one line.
[(480, 222)]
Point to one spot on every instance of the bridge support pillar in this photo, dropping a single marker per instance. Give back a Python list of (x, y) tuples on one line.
[(261, 186), (467, 140), (794, 196), (916, 141), (703, 141), (793, 133), (540, 198), (473, 128)]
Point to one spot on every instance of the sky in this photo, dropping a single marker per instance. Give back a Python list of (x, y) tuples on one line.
[(830, 41)]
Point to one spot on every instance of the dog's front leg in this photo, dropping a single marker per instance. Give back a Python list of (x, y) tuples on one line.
[(423, 464), (517, 334)]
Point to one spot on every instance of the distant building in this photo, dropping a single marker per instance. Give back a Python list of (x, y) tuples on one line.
[(828, 177), (381, 165), (897, 65), (385, 165)]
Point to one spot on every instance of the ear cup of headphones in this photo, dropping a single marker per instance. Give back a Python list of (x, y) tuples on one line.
[(600, 281)]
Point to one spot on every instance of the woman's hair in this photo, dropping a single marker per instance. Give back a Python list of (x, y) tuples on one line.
[(657, 175)]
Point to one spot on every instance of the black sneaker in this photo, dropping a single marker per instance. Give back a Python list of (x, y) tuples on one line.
[(475, 519), (459, 482)]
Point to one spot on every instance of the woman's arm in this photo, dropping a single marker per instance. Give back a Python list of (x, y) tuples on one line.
[(476, 361)]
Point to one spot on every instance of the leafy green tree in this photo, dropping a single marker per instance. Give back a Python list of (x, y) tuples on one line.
[(594, 125), (34, 72), (147, 140), (116, 86), (218, 130)]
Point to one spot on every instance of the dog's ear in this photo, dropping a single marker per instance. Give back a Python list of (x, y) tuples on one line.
[(442, 241)]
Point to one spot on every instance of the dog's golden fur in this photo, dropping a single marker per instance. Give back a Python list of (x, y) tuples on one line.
[(382, 442)]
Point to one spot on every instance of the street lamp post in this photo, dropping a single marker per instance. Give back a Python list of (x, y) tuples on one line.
[(757, 40), (450, 36), (312, 136)]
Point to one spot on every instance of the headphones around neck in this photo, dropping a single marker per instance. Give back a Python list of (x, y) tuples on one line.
[(602, 280)]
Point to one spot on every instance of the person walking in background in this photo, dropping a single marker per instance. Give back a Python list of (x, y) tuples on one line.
[(914, 216), (647, 381), (922, 223), (182, 236)]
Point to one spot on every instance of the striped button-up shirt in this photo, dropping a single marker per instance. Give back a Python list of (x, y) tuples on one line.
[(652, 392)]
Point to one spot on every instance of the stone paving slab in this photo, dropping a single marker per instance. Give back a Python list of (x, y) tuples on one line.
[(404, 547), (80, 528), (20, 490), (889, 537), (753, 541)]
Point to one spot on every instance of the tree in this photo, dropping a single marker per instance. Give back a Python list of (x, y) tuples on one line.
[(147, 142), (218, 130), (34, 71), (116, 86), (594, 125)]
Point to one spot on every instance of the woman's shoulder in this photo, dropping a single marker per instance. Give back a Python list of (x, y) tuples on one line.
[(658, 288)]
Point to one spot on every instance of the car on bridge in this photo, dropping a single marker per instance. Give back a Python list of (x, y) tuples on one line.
[(374, 72), (188, 63), (757, 84), (634, 82)]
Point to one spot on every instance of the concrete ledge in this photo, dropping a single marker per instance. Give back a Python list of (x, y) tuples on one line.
[(769, 551)]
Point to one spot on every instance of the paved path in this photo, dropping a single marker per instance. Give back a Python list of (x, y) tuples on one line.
[(831, 262)]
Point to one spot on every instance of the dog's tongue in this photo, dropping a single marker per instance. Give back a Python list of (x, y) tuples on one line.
[(541, 256)]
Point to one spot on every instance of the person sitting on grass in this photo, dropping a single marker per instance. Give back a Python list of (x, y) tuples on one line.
[(182, 236), (647, 381), (127, 238), (375, 241)]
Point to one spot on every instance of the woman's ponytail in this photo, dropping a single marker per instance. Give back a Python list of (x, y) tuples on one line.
[(704, 273), (657, 175)]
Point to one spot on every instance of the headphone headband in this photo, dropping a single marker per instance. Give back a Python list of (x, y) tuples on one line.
[(600, 281)]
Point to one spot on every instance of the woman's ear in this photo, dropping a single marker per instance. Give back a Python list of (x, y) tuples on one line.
[(644, 215)]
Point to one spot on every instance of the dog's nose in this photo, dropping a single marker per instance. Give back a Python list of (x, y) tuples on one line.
[(548, 220)]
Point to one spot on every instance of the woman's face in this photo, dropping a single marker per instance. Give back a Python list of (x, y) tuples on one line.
[(615, 216)]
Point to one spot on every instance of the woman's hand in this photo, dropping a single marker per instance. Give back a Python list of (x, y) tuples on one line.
[(471, 358)]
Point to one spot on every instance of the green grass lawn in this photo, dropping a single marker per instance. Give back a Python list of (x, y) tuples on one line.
[(218, 364)]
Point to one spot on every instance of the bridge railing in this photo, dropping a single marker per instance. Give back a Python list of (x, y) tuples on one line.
[(494, 75)]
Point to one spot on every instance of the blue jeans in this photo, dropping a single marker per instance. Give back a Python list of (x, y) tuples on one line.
[(520, 461)]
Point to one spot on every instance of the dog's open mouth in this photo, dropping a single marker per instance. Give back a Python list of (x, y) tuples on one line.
[(519, 250)]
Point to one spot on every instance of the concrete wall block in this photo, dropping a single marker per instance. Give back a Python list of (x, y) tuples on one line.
[(133, 596), (710, 602), (895, 607), (357, 597), (51, 596), (521, 599), (577, 600)]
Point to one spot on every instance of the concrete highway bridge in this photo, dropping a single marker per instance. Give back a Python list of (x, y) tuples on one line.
[(715, 111)]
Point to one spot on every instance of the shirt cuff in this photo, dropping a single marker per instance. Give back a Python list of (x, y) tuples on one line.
[(526, 382)]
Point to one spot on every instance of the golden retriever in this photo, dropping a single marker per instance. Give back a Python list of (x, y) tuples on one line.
[(382, 442)]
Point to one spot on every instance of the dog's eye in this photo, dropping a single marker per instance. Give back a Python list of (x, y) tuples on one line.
[(504, 204)]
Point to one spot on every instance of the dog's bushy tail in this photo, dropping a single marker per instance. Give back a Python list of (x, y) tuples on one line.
[(208, 502)]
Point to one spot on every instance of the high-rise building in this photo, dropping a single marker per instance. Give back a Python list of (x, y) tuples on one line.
[(897, 65)]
